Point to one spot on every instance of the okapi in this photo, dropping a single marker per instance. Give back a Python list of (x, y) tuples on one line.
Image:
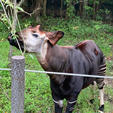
[(83, 58)]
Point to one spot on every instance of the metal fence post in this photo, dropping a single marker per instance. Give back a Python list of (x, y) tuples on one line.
[(18, 84)]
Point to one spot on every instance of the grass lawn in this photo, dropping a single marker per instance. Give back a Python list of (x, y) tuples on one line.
[(37, 91)]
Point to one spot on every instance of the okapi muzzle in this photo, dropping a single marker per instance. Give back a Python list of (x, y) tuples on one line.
[(16, 42)]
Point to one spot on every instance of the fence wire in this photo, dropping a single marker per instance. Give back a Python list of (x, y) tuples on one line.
[(61, 73)]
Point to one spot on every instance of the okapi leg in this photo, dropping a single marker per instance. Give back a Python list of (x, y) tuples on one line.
[(70, 107), (101, 94), (100, 83), (58, 106), (71, 103)]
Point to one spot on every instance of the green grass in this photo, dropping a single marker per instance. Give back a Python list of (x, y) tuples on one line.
[(37, 91)]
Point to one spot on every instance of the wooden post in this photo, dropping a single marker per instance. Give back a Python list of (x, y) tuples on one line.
[(18, 84)]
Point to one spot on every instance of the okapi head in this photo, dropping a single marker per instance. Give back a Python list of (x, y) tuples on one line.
[(32, 39)]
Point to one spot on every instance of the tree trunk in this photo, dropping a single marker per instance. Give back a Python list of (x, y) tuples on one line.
[(61, 9), (37, 12), (55, 8), (81, 7), (13, 27), (14, 17), (84, 7), (94, 7), (44, 7)]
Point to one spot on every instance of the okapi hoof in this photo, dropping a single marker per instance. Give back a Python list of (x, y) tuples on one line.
[(101, 109)]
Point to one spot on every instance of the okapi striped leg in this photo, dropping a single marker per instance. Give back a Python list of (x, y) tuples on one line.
[(100, 83), (101, 94)]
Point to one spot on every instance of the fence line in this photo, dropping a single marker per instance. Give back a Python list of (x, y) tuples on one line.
[(5, 69), (70, 74), (61, 73)]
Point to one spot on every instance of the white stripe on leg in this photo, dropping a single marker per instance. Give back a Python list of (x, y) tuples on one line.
[(59, 102), (101, 94)]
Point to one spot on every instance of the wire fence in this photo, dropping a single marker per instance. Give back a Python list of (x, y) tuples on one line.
[(61, 73)]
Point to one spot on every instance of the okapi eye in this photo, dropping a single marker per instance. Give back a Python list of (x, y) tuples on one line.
[(35, 35)]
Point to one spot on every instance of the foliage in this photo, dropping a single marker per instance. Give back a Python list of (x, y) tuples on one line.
[(9, 17), (89, 11), (70, 8), (37, 91)]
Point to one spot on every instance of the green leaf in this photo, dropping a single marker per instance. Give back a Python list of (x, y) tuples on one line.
[(9, 3), (97, 27), (19, 8)]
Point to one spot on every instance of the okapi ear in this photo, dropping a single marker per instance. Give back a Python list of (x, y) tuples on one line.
[(53, 37)]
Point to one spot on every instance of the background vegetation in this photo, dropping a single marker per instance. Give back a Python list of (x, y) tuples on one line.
[(79, 20)]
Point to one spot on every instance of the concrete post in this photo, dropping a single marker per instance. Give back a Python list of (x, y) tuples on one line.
[(18, 84)]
